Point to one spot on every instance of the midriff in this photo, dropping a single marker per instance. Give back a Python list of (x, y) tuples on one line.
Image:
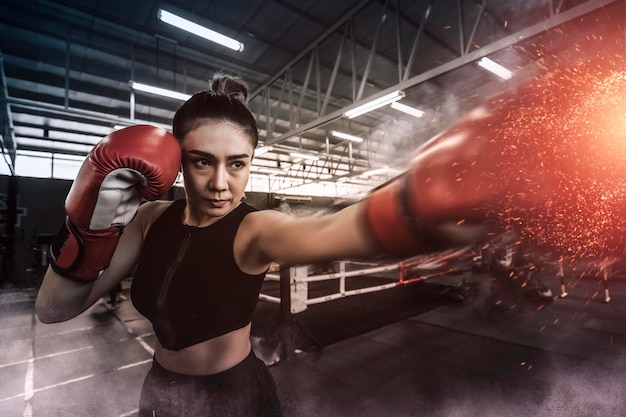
[(209, 357)]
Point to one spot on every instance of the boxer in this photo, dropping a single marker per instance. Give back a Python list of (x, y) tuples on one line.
[(200, 261)]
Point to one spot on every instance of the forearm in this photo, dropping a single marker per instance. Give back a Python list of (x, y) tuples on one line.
[(301, 241), (353, 239), (60, 299), (91, 254)]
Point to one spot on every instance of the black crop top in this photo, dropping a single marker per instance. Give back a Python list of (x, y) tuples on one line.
[(187, 282)]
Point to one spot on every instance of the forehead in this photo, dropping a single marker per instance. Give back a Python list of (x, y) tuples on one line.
[(219, 137)]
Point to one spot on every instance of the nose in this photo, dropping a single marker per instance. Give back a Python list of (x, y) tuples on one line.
[(219, 179)]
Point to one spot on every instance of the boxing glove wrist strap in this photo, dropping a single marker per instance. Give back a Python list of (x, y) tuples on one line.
[(396, 224), (414, 220), (82, 255)]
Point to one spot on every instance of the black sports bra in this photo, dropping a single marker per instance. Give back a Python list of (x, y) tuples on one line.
[(187, 282)]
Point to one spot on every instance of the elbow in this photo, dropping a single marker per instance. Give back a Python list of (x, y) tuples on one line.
[(49, 314), (46, 318), (60, 299), (44, 315)]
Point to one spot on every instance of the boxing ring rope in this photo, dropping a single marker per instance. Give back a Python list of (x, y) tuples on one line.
[(298, 278)]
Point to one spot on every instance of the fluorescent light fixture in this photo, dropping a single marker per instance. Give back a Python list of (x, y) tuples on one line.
[(374, 104), (198, 30), (497, 69), (142, 122), (407, 109), (304, 156), (159, 91), (377, 171), (270, 171), (342, 135), (261, 150)]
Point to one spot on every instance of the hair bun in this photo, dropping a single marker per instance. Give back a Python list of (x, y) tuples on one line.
[(232, 86)]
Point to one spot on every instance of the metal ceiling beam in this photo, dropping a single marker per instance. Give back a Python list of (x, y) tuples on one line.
[(290, 121), (464, 59), (62, 110), (311, 47), (363, 80), (420, 31), (368, 66), (7, 132)]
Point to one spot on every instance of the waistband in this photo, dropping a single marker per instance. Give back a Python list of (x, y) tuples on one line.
[(243, 367)]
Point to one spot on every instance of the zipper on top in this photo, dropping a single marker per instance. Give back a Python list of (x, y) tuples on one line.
[(171, 270)]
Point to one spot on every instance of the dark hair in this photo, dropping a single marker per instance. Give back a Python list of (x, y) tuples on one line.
[(226, 100)]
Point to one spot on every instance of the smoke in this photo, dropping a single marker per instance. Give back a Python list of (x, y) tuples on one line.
[(585, 391), (562, 389), (569, 369)]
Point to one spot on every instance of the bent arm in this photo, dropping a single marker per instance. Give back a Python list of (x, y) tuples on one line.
[(60, 299)]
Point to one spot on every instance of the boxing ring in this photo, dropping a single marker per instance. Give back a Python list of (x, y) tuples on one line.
[(296, 288), (294, 281)]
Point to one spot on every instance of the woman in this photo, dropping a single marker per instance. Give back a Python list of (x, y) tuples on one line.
[(201, 262)]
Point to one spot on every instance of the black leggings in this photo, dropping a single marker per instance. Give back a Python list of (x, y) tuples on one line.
[(245, 390)]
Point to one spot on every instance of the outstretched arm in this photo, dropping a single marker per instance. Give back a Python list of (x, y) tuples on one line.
[(533, 159), (288, 240), (349, 234)]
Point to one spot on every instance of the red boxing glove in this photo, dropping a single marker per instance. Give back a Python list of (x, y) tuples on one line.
[(129, 164), (547, 159), (451, 179)]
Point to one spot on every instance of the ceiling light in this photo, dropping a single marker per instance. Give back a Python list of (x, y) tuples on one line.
[(342, 135), (407, 109), (271, 171), (497, 69), (261, 150), (377, 171), (159, 91), (198, 30), (374, 104), (304, 156), (143, 122)]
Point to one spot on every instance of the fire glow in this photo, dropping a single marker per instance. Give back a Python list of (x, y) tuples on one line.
[(563, 141)]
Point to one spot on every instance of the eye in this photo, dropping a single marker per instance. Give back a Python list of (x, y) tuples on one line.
[(201, 162), (238, 164)]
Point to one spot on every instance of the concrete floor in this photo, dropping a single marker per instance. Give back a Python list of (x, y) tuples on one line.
[(497, 353)]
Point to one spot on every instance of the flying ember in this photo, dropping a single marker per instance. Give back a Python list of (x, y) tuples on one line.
[(562, 143)]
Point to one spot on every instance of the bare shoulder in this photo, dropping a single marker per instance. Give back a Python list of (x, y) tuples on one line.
[(155, 208), (150, 211), (255, 229), (264, 220), (260, 225)]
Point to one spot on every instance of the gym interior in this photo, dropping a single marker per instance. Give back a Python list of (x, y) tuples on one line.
[(502, 327)]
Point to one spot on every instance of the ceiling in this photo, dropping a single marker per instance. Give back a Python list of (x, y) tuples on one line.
[(66, 67)]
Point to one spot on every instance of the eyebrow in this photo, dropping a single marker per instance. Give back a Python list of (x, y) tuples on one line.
[(209, 155)]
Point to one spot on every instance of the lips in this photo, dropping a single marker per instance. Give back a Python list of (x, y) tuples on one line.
[(217, 203)]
